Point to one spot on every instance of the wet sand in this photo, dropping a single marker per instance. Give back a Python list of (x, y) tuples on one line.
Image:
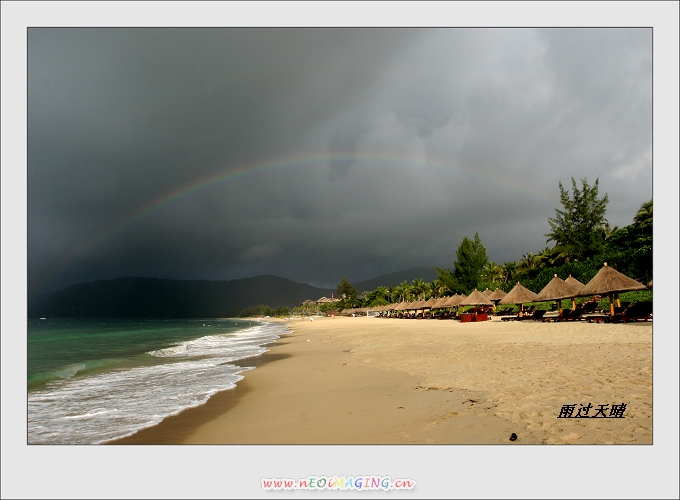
[(383, 381)]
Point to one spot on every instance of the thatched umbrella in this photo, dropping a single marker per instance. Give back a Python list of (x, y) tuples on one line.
[(519, 295), (573, 281), (608, 281), (427, 305), (439, 304), (557, 289), (476, 298), (649, 285), (495, 296), (455, 300), (431, 301), (401, 306), (487, 292)]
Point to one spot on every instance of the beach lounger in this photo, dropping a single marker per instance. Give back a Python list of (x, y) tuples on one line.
[(506, 312), (640, 311), (560, 317), (589, 307), (536, 316), (574, 315)]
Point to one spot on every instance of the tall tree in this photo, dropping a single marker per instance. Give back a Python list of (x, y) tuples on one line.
[(492, 272), (579, 229), (509, 271), (470, 261), (347, 293), (401, 292), (448, 280), (420, 288), (644, 214)]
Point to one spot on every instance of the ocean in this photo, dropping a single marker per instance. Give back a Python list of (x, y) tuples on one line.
[(94, 380)]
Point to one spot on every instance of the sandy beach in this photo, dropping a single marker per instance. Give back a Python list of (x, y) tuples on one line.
[(389, 381)]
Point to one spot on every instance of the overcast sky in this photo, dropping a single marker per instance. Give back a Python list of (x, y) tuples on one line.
[(317, 153)]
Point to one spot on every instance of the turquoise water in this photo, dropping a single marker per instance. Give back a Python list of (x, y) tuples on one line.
[(90, 381)]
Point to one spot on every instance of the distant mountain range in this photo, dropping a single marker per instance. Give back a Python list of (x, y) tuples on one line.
[(162, 298)]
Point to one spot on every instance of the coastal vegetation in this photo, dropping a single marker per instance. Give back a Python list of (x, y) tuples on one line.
[(583, 241)]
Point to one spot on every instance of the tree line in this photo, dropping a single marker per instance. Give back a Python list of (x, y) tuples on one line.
[(583, 241)]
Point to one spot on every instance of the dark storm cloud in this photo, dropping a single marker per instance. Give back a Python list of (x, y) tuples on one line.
[(408, 139)]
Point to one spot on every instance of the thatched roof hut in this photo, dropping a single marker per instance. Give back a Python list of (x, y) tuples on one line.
[(487, 292), (454, 301), (573, 281), (418, 304), (519, 295), (440, 303), (476, 298), (557, 289), (430, 302), (608, 281), (497, 294)]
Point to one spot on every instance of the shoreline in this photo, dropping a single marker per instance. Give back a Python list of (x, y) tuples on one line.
[(176, 428), (427, 382)]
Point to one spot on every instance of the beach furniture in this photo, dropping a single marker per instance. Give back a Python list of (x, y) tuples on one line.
[(519, 295), (476, 299), (535, 316), (573, 281), (558, 289), (494, 297), (508, 311), (640, 311), (561, 316), (610, 282), (574, 315)]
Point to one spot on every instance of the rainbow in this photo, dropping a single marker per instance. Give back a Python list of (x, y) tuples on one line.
[(182, 192)]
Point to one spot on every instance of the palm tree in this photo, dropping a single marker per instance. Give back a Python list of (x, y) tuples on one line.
[(492, 272), (644, 214), (419, 287), (403, 291), (439, 287), (528, 261), (381, 293), (509, 270)]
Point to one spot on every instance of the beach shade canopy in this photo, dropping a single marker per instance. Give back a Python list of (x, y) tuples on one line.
[(476, 298), (455, 300), (497, 294), (440, 303), (430, 302), (518, 295), (573, 281), (557, 289), (607, 281), (487, 292)]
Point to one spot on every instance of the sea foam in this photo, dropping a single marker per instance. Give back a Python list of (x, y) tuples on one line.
[(105, 406)]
